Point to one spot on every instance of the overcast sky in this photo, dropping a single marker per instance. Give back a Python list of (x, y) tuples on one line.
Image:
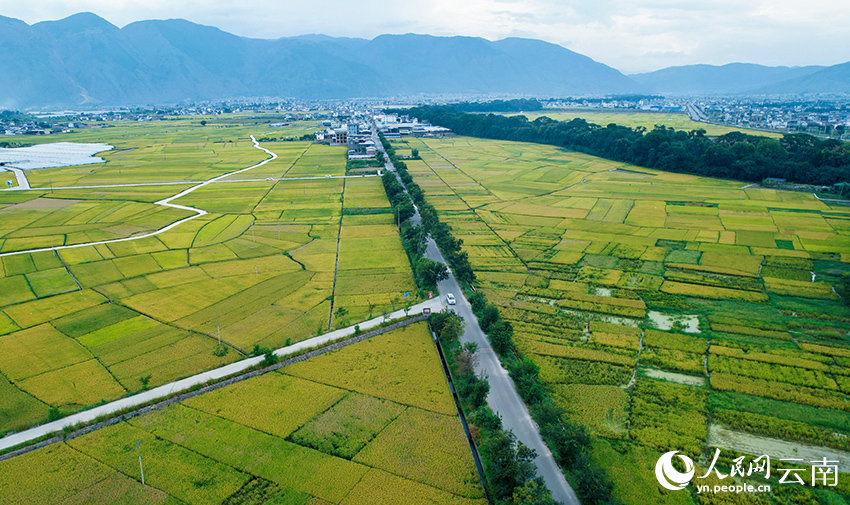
[(630, 35)]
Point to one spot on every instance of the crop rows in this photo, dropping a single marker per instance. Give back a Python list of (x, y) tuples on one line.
[(257, 270), (723, 291), (278, 435)]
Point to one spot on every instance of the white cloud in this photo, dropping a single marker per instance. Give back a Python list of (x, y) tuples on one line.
[(632, 36)]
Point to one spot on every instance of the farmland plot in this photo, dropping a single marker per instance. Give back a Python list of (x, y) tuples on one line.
[(285, 439), (643, 295), (258, 269)]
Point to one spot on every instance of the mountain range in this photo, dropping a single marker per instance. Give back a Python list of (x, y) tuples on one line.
[(746, 78), (85, 61)]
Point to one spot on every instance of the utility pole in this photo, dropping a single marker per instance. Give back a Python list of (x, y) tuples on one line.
[(256, 272), (218, 326), (141, 469), (252, 233)]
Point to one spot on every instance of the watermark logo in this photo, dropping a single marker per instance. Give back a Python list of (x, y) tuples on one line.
[(824, 472), (668, 476)]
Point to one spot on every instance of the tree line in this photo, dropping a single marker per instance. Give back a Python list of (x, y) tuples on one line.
[(516, 105), (509, 467), (799, 157), (569, 442), (457, 259)]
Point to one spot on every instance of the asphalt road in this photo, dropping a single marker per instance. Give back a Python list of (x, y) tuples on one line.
[(503, 398)]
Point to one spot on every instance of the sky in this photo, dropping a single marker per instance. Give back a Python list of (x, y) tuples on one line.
[(629, 35)]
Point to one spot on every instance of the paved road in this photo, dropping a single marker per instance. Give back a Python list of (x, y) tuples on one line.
[(696, 113), (218, 373), (166, 202), (23, 183), (503, 398)]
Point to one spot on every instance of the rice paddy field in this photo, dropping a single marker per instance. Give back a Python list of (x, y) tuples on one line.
[(635, 118), (88, 324), (371, 423), (176, 149), (662, 309)]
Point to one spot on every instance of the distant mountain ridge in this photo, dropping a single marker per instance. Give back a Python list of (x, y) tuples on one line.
[(84, 60), (746, 78), (834, 79)]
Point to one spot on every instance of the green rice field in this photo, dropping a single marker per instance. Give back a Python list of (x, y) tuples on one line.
[(88, 324), (324, 431), (660, 308), (636, 118)]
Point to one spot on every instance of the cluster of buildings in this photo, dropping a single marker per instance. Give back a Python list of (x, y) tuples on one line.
[(357, 136), (636, 102), (357, 132), (32, 128), (395, 126), (822, 117)]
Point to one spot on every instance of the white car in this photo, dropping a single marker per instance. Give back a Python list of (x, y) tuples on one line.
[(450, 299)]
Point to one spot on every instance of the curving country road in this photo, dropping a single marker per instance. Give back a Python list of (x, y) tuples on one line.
[(21, 177), (164, 202), (503, 397)]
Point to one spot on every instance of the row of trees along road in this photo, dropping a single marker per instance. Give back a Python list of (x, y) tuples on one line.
[(508, 465)]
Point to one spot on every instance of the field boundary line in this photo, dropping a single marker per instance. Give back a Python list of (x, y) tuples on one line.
[(473, 210), (188, 183), (164, 202), (476, 456), (212, 387), (336, 259)]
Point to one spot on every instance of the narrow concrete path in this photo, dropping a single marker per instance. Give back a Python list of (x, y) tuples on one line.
[(181, 385), (166, 202), (186, 183), (23, 182)]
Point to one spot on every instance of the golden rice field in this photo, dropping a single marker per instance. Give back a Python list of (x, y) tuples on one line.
[(646, 119), (83, 325), (278, 438), (652, 300)]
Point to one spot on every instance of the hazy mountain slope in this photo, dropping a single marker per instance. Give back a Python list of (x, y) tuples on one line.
[(29, 71), (712, 80), (84, 60), (557, 66), (834, 79)]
